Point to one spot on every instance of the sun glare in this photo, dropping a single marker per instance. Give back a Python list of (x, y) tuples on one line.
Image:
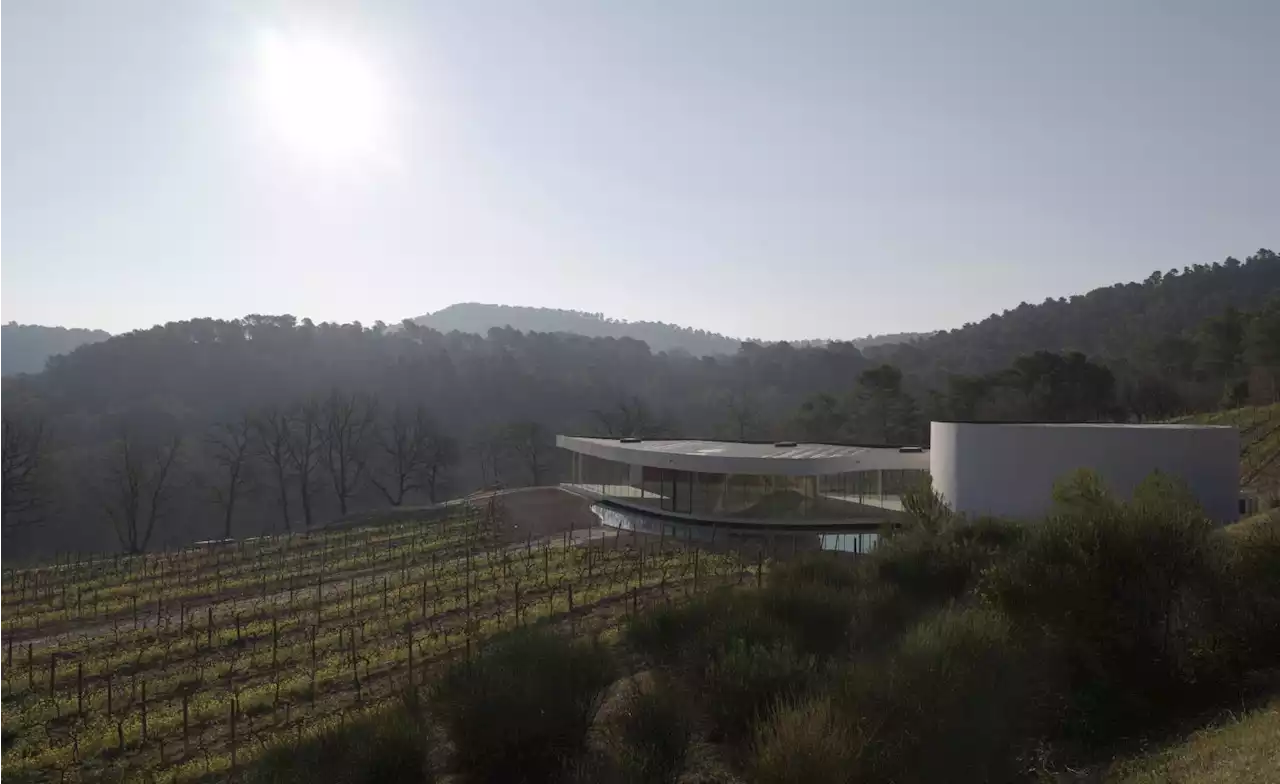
[(323, 100)]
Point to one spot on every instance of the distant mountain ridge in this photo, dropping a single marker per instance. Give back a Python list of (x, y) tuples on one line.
[(478, 318), (26, 347)]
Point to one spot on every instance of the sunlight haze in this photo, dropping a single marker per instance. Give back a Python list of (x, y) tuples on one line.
[(771, 170)]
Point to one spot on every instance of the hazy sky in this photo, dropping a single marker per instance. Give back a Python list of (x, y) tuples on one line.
[(766, 169)]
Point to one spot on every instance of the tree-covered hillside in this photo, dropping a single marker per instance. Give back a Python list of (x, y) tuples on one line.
[(478, 319), (1143, 324), (26, 347), (177, 408), (207, 427)]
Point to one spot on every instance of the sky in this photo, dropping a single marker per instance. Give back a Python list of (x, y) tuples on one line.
[(760, 169)]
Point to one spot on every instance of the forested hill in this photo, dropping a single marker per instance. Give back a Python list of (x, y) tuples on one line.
[(170, 408), (1149, 324), (478, 319), (26, 347)]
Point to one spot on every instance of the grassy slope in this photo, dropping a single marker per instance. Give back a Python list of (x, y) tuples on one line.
[(1245, 751)]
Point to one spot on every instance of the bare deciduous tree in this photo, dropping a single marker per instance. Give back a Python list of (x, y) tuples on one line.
[(742, 413), (529, 442), (22, 494), (443, 455), (629, 419), (488, 449), (271, 429), (348, 423), (137, 485), (304, 448), (229, 450), (414, 456)]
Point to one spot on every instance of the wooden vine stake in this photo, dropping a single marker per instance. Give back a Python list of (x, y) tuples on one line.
[(232, 701), (409, 634)]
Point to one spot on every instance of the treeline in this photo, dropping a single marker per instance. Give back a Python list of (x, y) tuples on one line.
[(1123, 323), (214, 428), (97, 417), (479, 318), (107, 417), (273, 470)]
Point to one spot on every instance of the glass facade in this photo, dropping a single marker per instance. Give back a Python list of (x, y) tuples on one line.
[(747, 497)]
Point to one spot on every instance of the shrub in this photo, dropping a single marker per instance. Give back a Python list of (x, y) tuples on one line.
[(521, 710), (934, 568), (1125, 590), (744, 680), (1082, 492), (830, 570), (926, 507), (389, 746), (651, 734), (959, 699), (688, 635), (805, 741), (1251, 570)]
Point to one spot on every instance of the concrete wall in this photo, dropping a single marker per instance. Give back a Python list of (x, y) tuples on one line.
[(1008, 470)]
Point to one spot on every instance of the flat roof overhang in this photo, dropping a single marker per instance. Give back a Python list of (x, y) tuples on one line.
[(732, 457)]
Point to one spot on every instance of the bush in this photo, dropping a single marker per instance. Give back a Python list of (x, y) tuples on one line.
[(805, 741), (1251, 570), (687, 636), (744, 680), (651, 735), (521, 710), (959, 699), (389, 747), (1126, 592), (829, 570), (934, 568)]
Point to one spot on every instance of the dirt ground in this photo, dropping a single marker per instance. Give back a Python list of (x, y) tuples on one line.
[(539, 512)]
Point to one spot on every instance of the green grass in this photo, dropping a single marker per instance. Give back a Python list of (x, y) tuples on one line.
[(1243, 751)]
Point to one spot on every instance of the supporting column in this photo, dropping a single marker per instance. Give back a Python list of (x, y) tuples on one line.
[(880, 485)]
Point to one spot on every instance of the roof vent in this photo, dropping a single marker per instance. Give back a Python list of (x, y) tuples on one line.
[(912, 450), (784, 443), (629, 440)]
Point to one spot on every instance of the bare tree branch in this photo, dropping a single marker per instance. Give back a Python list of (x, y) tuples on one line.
[(229, 450), (24, 458), (530, 442), (271, 429), (136, 490), (348, 423), (303, 447)]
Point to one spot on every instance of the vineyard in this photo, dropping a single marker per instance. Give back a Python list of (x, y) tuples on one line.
[(185, 665)]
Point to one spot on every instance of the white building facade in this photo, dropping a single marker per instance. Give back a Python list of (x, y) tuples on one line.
[(1009, 470)]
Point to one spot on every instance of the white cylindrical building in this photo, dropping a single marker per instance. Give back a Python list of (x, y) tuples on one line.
[(1009, 469)]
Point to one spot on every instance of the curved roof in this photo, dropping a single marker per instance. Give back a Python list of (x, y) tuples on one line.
[(735, 457)]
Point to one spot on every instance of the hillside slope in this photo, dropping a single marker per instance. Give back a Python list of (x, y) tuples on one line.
[(1244, 751), (26, 347), (1126, 322), (479, 318)]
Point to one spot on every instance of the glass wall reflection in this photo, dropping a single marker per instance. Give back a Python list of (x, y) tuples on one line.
[(749, 497)]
